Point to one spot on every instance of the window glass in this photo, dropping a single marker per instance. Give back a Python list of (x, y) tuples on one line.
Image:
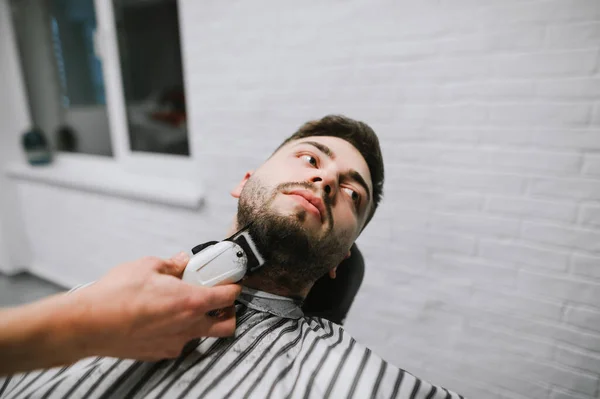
[(62, 73), (151, 67)]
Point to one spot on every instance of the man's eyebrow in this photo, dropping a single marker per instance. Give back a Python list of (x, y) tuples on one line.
[(321, 147), (354, 175)]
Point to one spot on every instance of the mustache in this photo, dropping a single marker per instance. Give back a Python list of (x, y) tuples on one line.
[(309, 186)]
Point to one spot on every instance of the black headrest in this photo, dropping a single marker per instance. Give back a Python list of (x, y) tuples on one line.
[(331, 298)]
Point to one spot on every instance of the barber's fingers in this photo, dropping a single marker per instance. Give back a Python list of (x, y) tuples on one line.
[(220, 323), (224, 324), (220, 296), (174, 266)]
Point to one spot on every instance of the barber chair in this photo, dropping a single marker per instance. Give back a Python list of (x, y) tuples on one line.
[(331, 298)]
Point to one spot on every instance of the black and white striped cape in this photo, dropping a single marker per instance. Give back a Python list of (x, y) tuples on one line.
[(276, 352)]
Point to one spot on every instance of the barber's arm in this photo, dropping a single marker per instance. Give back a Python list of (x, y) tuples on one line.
[(139, 310)]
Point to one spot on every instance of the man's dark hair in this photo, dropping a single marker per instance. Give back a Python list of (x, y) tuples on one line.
[(357, 133)]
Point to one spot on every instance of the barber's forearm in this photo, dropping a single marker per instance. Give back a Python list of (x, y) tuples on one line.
[(42, 334), (138, 310)]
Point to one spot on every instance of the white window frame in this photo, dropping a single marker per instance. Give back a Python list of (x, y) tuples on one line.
[(165, 165), (162, 178), (108, 51)]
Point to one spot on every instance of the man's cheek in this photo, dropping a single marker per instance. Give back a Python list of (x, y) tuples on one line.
[(351, 231), (344, 227), (346, 219)]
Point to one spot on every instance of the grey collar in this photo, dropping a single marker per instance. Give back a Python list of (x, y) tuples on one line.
[(281, 306)]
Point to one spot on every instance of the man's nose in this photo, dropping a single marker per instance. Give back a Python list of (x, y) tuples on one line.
[(327, 182)]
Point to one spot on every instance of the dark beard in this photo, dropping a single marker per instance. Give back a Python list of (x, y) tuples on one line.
[(294, 256)]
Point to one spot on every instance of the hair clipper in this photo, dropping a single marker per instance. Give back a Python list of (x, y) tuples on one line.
[(223, 262)]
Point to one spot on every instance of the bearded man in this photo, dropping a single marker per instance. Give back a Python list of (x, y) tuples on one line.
[(304, 208)]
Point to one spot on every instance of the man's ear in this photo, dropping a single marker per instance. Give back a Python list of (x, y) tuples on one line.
[(332, 273), (235, 193)]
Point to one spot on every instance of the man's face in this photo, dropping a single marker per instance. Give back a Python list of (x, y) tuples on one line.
[(311, 198)]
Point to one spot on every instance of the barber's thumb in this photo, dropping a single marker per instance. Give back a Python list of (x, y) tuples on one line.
[(179, 262)]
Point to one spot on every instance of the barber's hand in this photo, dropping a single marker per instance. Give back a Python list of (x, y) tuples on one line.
[(142, 310)]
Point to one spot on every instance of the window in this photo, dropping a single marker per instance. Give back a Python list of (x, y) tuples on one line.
[(62, 74), (105, 77), (151, 70)]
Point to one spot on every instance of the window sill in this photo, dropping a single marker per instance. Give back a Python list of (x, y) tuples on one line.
[(105, 176)]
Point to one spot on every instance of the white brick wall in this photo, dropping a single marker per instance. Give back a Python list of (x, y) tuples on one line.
[(14, 249), (582, 317), (483, 263)]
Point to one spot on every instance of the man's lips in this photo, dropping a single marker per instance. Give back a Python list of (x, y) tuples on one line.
[(312, 199)]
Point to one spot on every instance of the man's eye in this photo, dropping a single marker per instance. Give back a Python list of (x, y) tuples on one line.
[(310, 159), (354, 195)]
